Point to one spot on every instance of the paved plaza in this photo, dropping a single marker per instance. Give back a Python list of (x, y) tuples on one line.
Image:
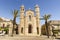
[(26, 38)]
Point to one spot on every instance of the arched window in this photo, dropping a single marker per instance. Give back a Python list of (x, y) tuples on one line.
[(29, 18), (37, 30), (22, 30), (30, 29)]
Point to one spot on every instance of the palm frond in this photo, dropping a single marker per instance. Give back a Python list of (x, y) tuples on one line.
[(18, 15), (46, 17), (15, 13)]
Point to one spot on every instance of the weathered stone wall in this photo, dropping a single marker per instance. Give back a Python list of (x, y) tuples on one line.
[(34, 21)]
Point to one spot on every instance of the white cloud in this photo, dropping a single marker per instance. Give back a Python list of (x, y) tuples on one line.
[(5, 19)]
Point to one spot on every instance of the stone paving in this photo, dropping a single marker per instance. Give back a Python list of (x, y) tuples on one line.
[(26, 38)]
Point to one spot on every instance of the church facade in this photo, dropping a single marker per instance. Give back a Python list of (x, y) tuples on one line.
[(29, 22)]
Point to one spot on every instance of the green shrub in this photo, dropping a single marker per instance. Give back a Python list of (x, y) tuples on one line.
[(6, 29), (0, 28), (55, 32)]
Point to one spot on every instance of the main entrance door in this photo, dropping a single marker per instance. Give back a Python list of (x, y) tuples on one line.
[(29, 29)]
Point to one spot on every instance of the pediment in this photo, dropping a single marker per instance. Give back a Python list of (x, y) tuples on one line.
[(29, 12)]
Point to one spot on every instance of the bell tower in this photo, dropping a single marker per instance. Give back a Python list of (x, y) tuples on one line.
[(37, 11), (21, 29)]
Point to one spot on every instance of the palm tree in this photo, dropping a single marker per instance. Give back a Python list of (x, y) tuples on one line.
[(15, 14), (46, 17)]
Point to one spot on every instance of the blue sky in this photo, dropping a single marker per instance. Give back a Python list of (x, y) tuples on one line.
[(46, 7)]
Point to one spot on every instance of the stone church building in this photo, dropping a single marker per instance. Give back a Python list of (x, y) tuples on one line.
[(29, 22)]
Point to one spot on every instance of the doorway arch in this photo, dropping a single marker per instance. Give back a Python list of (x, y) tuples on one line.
[(29, 28), (37, 30)]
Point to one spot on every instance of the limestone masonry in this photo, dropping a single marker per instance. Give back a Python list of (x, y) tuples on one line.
[(29, 22)]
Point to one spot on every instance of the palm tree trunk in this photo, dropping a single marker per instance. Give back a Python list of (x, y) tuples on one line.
[(47, 32), (14, 22)]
